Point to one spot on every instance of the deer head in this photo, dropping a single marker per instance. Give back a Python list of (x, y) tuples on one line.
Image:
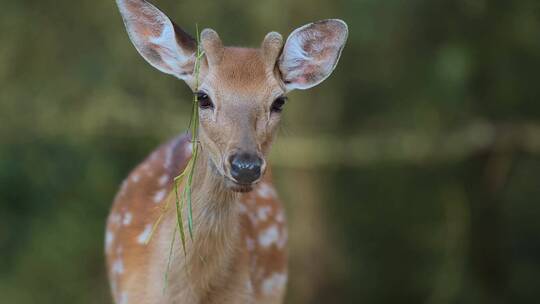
[(241, 91)]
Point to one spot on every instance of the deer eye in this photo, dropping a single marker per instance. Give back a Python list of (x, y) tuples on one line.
[(277, 105), (204, 100)]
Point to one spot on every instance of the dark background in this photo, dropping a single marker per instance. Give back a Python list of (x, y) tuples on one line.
[(411, 175)]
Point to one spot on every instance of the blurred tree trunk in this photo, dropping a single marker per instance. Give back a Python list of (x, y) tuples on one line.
[(485, 176), (310, 246)]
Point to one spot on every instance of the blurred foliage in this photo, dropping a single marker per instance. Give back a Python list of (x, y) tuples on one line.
[(79, 108)]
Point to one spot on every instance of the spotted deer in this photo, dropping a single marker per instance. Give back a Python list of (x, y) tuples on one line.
[(238, 251)]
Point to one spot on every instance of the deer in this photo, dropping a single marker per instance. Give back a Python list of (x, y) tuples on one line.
[(238, 252)]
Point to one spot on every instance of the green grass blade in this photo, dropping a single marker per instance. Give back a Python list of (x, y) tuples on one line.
[(171, 251), (190, 213), (179, 218)]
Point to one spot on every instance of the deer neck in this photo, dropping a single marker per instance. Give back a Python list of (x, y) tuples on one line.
[(216, 234), (214, 208)]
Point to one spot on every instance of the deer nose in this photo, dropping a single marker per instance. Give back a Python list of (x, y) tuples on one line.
[(245, 167)]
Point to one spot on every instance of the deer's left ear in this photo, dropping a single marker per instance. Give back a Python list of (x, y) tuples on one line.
[(311, 53)]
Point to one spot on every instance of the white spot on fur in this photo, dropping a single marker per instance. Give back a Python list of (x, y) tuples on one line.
[(280, 216), (143, 237), (118, 267), (128, 217), (109, 238), (189, 149), (269, 236), (275, 283), (123, 188), (242, 208), (123, 298), (250, 244), (159, 196), (163, 180), (147, 169), (115, 218), (263, 213), (253, 218), (136, 178), (249, 286), (168, 156), (266, 191)]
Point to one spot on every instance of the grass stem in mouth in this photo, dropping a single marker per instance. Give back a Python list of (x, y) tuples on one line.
[(186, 176)]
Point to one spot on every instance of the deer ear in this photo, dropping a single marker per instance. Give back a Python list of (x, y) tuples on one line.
[(161, 42), (311, 53)]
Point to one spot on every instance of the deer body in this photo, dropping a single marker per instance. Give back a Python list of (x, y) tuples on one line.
[(237, 254), (238, 250)]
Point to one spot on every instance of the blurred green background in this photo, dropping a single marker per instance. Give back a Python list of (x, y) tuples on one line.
[(411, 175)]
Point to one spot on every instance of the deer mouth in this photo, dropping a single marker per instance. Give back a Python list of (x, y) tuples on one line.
[(236, 187)]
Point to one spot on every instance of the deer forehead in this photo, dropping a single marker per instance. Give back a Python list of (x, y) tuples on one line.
[(242, 72)]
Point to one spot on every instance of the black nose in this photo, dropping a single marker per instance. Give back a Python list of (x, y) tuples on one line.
[(245, 167)]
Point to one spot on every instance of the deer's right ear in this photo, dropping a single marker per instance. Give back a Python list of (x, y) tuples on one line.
[(161, 42)]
